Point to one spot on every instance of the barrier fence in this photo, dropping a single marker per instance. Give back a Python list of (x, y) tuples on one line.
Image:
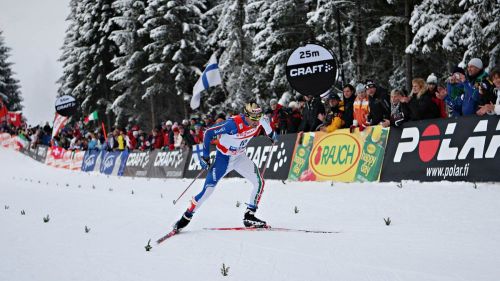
[(464, 149)]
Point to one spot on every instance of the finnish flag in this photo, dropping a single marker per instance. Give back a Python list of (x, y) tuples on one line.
[(209, 78)]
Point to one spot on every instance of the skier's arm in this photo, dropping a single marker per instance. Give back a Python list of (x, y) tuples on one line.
[(225, 127)]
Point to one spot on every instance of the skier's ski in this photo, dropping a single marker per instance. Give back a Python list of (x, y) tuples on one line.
[(243, 228), (267, 228), (170, 234)]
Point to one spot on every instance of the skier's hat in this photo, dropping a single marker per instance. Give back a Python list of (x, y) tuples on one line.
[(253, 111)]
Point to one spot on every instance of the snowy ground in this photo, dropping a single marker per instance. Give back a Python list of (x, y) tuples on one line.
[(439, 231)]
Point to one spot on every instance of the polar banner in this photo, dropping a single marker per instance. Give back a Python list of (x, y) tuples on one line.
[(464, 149), (167, 164), (311, 70), (259, 150), (340, 156)]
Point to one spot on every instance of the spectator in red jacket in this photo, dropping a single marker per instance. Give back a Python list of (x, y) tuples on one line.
[(278, 117), (432, 88), (157, 139), (197, 134)]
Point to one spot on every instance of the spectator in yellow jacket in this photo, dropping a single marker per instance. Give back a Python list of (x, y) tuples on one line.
[(333, 118), (120, 139)]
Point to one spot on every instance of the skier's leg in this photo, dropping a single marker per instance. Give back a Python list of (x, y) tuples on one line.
[(214, 174), (251, 172), (247, 168)]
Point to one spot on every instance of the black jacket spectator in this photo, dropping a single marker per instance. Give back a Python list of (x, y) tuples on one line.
[(348, 116), (380, 108), (422, 107), (313, 106)]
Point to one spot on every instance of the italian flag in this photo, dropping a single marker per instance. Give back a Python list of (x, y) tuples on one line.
[(92, 116), (22, 141)]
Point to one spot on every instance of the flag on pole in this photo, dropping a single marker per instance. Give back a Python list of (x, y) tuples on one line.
[(21, 141), (59, 122), (92, 116), (209, 78), (15, 118), (3, 111)]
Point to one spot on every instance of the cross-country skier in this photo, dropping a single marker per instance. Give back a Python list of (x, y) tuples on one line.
[(234, 134)]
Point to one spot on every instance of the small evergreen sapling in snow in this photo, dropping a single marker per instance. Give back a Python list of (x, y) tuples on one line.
[(400, 184), (87, 229), (23, 212), (46, 219), (238, 204), (148, 247), (474, 185), (224, 270), (387, 221), (6, 207), (296, 209)]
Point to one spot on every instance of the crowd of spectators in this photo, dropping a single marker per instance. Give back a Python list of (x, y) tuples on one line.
[(465, 92)]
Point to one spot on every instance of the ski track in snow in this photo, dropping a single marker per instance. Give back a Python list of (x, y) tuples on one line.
[(439, 231)]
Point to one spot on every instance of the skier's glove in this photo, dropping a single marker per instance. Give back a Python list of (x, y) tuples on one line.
[(274, 137), (205, 162)]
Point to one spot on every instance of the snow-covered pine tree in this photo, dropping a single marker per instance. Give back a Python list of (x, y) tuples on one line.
[(9, 86), (129, 107), (280, 28), (323, 20), (71, 75), (387, 40), (235, 56), (477, 31), (175, 50), (92, 50)]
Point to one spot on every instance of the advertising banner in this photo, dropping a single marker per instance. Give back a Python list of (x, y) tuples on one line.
[(340, 156), (41, 153), (464, 149), (259, 150), (90, 160), (137, 164), (168, 164), (108, 162), (312, 69)]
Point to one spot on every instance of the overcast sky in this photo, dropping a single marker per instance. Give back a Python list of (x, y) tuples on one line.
[(34, 30)]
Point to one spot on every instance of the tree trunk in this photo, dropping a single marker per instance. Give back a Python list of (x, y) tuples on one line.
[(358, 40), (408, 40), (153, 121)]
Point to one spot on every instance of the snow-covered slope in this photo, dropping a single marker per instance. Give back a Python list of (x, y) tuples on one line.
[(439, 231)]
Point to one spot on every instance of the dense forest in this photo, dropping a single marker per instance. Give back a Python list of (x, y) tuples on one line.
[(138, 60)]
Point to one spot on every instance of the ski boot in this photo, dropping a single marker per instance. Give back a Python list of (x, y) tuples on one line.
[(251, 221), (184, 221)]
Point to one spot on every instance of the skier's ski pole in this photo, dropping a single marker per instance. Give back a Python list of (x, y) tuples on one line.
[(197, 176)]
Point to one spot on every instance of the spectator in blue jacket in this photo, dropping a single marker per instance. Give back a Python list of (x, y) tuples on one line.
[(455, 92), (474, 77)]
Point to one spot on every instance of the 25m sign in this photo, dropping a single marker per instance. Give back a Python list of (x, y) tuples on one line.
[(463, 149)]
